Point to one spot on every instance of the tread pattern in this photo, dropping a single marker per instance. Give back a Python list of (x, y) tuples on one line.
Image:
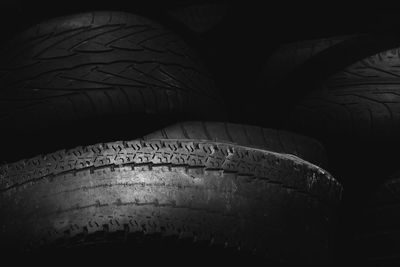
[(383, 65), (252, 136), (96, 64), (184, 152), (170, 187), (363, 100), (364, 111)]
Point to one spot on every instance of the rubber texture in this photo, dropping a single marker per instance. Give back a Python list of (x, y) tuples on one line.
[(313, 72), (245, 135), (360, 101), (83, 69), (379, 237), (289, 57), (218, 193)]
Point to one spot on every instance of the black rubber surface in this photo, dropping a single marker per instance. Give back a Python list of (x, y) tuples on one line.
[(355, 113), (88, 70), (360, 101), (218, 193), (299, 69), (250, 136), (289, 58), (345, 95)]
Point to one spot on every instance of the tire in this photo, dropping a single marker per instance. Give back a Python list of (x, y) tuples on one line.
[(288, 58), (88, 70), (296, 65), (379, 236), (300, 69), (356, 109), (362, 101), (207, 191), (251, 136)]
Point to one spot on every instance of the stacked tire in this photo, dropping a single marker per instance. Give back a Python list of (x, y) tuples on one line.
[(105, 76), (347, 97), (76, 77)]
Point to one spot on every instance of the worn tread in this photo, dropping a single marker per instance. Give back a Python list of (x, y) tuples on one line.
[(252, 136), (170, 178)]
